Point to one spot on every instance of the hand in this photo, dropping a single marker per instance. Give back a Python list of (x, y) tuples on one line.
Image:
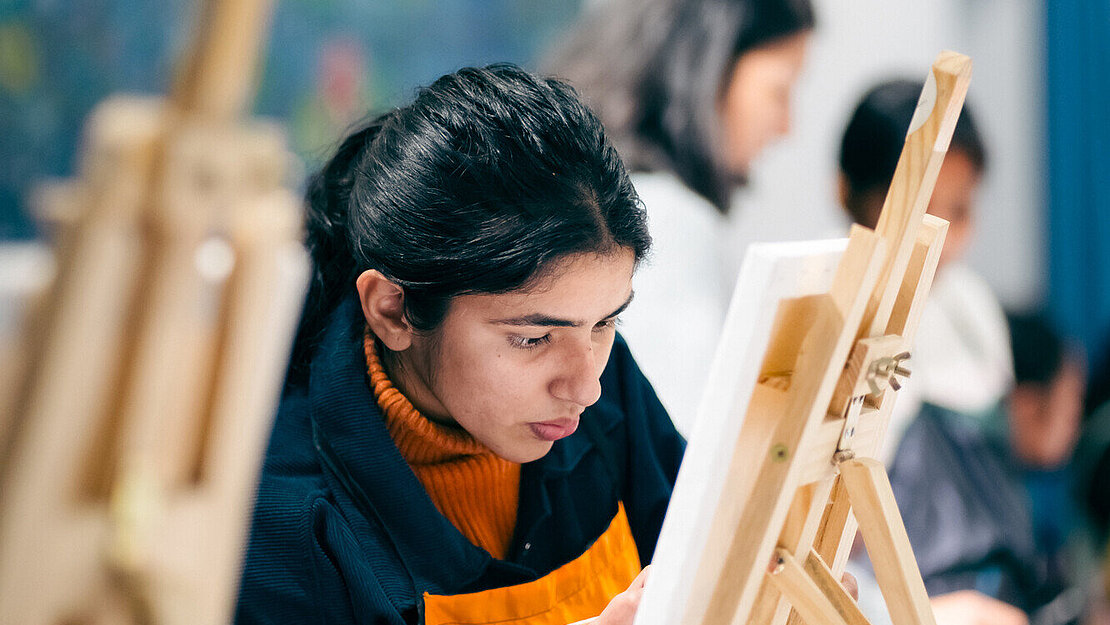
[(848, 581), (971, 607), (622, 608)]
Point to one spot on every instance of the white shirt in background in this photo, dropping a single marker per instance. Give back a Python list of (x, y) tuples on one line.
[(682, 292)]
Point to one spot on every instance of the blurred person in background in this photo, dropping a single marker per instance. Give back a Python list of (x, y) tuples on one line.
[(1092, 470), (691, 92), (991, 506), (961, 355)]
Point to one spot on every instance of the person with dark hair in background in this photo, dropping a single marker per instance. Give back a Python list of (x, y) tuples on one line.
[(472, 252), (961, 356), (992, 508), (691, 91)]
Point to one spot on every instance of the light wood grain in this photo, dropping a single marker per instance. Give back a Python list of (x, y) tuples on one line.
[(127, 478), (774, 470)]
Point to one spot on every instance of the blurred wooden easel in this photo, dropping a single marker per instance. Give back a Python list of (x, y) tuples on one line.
[(780, 464), (154, 363)]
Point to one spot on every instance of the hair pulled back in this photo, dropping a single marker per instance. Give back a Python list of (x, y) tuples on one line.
[(655, 72), (477, 186), (874, 138)]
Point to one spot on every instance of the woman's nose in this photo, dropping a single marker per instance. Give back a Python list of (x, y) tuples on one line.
[(578, 380)]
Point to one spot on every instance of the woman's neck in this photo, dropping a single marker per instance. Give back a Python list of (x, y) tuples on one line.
[(405, 375)]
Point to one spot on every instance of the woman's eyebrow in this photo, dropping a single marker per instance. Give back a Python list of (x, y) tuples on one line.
[(539, 319)]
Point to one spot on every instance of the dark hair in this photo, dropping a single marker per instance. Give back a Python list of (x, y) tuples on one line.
[(874, 138), (1098, 378), (1037, 346), (477, 186), (655, 70)]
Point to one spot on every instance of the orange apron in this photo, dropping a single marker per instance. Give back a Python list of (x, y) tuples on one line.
[(575, 591)]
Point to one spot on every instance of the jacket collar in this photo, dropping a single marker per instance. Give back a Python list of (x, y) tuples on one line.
[(358, 452)]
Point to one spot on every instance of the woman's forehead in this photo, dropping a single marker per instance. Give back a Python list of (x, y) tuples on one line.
[(579, 290)]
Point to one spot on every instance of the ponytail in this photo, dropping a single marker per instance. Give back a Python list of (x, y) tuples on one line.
[(334, 268)]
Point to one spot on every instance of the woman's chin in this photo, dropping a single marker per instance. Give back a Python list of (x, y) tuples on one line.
[(523, 454)]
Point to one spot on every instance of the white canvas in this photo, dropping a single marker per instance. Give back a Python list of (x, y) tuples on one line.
[(771, 272)]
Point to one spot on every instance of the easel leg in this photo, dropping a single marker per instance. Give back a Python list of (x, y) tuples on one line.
[(838, 522), (813, 592), (884, 534)]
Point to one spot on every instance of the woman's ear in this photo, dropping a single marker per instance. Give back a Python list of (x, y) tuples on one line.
[(383, 305), (843, 191)]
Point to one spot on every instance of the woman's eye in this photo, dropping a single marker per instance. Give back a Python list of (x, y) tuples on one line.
[(605, 325), (525, 342)]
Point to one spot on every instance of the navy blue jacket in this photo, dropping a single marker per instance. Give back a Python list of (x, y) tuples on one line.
[(343, 531)]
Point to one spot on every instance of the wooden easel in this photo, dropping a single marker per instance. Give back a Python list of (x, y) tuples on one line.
[(127, 476), (780, 523)]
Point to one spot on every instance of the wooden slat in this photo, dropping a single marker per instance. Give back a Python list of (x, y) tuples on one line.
[(906, 314), (915, 177), (830, 585), (887, 544), (197, 545), (813, 591), (218, 75), (798, 533), (52, 528)]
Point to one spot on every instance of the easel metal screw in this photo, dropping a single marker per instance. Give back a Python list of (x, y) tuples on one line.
[(779, 453)]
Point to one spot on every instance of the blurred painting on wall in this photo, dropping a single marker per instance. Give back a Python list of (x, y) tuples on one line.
[(329, 63)]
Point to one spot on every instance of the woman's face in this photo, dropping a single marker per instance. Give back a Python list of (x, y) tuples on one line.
[(953, 198), (516, 370), (755, 105), (1045, 420)]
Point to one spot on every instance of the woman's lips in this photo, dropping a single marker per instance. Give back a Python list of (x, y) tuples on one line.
[(554, 430)]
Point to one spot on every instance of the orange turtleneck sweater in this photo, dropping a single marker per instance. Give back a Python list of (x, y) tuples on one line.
[(476, 490)]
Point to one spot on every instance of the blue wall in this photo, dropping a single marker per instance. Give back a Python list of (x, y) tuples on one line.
[(1078, 106)]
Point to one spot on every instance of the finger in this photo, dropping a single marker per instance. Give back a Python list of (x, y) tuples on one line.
[(848, 581), (641, 579)]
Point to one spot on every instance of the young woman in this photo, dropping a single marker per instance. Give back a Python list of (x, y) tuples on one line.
[(691, 91), (463, 438)]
